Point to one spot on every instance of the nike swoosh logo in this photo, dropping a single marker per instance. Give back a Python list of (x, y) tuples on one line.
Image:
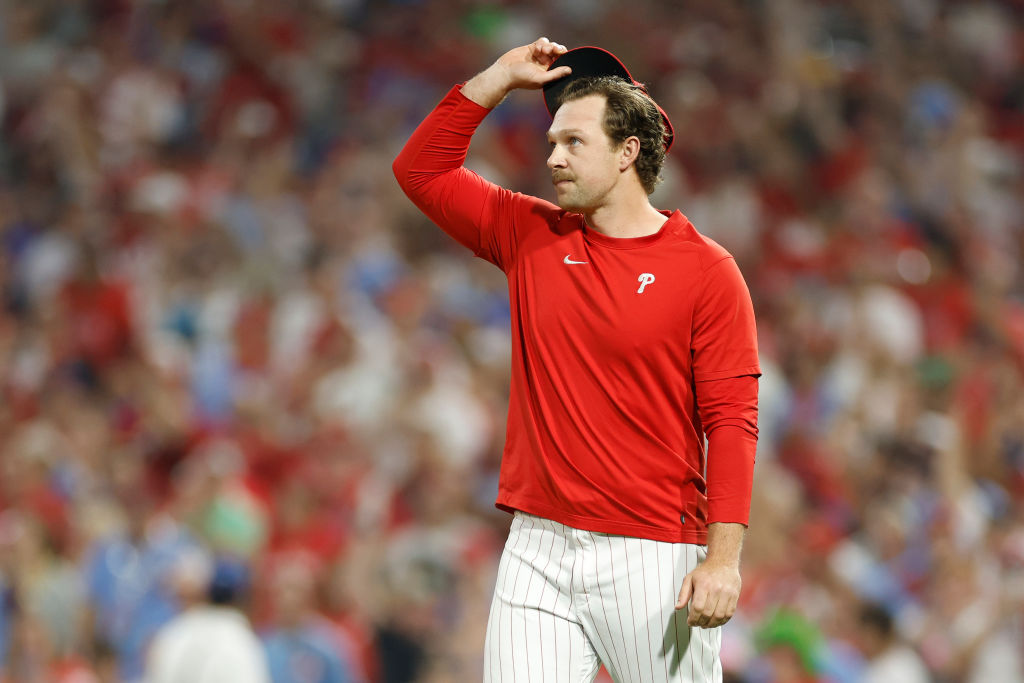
[(569, 262)]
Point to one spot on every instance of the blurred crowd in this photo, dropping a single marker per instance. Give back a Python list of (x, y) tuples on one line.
[(227, 340)]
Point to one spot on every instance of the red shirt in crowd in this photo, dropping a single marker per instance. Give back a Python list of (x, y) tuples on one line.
[(99, 316), (626, 352)]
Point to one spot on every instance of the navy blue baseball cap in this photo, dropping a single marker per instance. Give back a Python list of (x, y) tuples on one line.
[(589, 62), (229, 581)]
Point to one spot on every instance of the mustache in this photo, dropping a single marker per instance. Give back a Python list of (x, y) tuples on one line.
[(559, 177)]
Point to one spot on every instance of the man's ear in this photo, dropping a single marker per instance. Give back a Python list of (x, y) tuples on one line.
[(628, 152)]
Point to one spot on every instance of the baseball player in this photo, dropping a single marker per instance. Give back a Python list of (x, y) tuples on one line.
[(633, 340)]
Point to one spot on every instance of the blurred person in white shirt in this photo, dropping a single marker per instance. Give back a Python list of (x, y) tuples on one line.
[(211, 641), (887, 658)]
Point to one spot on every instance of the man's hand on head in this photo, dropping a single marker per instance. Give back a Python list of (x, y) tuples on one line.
[(523, 67), (527, 66)]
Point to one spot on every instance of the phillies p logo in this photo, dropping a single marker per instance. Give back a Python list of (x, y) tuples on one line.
[(644, 280)]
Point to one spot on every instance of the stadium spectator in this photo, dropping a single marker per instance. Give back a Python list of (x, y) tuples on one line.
[(303, 647), (211, 639), (888, 659)]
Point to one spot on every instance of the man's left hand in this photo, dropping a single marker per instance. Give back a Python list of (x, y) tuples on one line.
[(712, 591)]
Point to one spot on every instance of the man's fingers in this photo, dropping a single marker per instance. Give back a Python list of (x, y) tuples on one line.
[(712, 601), (698, 604), (684, 592), (702, 613), (555, 74), (710, 605), (723, 610), (545, 45), (543, 51), (731, 609), (722, 613)]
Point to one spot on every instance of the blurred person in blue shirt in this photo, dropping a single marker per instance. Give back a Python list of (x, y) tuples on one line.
[(303, 647), (127, 578)]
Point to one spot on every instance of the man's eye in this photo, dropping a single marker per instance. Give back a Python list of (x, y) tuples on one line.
[(574, 141)]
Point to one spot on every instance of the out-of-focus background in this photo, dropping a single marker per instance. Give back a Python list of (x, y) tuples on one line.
[(227, 339)]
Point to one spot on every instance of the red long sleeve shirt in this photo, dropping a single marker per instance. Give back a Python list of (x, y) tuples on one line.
[(626, 352)]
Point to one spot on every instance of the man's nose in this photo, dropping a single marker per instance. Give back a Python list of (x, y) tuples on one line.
[(556, 159)]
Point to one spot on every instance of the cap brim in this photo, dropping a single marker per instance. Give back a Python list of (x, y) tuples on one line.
[(593, 62)]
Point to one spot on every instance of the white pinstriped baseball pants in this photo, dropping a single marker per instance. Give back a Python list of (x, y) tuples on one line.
[(568, 600)]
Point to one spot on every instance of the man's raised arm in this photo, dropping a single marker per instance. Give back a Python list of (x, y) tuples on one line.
[(429, 167)]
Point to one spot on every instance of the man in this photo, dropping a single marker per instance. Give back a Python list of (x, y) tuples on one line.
[(633, 338), (302, 646), (211, 641), (887, 657)]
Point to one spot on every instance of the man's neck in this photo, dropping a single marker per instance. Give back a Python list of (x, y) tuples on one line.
[(635, 218)]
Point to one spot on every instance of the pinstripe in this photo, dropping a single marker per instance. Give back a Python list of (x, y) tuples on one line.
[(699, 631), (572, 579), (540, 601), (532, 570), (517, 553), (496, 604), (644, 544), (710, 659), (572, 573), (718, 675), (558, 625), (515, 586), (703, 654), (715, 647), (659, 597), (591, 660), (594, 599), (489, 638), (518, 550), (491, 651), (513, 556), (689, 630), (566, 628), (632, 605), (526, 595), (708, 638), (570, 652), (529, 587), (677, 581), (544, 622), (612, 651), (558, 588), (618, 607), (544, 572), (561, 569), (661, 608)]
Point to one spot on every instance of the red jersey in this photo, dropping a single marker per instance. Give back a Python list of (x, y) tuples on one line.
[(625, 352)]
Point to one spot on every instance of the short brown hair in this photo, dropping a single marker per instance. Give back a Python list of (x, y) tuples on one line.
[(629, 111)]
